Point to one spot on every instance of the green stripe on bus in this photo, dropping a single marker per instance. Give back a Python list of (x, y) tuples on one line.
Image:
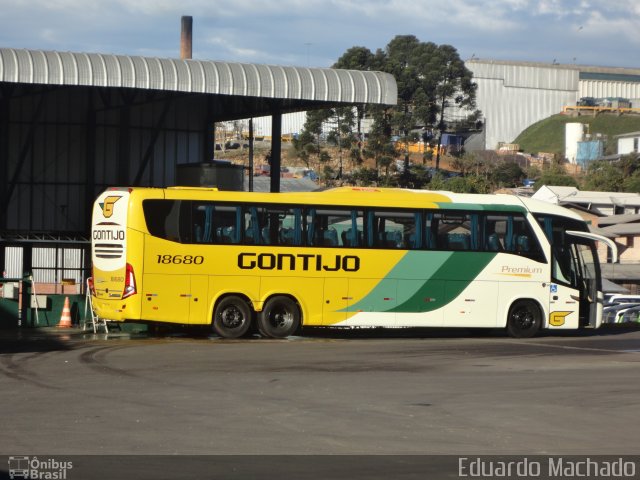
[(425, 277), (463, 267)]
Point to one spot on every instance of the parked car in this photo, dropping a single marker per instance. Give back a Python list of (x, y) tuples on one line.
[(631, 315), (611, 313), (624, 298)]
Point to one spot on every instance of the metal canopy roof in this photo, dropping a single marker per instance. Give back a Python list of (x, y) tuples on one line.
[(197, 76)]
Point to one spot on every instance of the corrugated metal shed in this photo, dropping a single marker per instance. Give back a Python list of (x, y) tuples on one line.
[(73, 124), (196, 76)]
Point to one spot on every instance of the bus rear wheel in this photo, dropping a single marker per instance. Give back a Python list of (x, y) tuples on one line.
[(524, 319), (232, 317), (279, 318)]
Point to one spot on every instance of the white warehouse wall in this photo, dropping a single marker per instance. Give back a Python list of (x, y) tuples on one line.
[(514, 95)]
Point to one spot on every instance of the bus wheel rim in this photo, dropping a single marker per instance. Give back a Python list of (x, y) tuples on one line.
[(281, 318), (524, 318), (231, 317)]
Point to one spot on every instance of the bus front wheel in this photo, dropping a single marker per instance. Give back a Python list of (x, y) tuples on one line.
[(279, 318), (232, 317), (524, 319)]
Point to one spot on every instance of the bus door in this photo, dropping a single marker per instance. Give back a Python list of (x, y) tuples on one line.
[(575, 287), (586, 257)]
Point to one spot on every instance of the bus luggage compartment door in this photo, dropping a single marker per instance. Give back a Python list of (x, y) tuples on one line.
[(166, 298), (335, 301)]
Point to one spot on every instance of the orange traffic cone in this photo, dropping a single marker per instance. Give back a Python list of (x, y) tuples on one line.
[(65, 318)]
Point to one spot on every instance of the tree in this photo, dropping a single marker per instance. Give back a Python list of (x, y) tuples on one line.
[(555, 175), (308, 145), (469, 184), (632, 183), (363, 177), (507, 174), (358, 58), (379, 146), (430, 79), (603, 176)]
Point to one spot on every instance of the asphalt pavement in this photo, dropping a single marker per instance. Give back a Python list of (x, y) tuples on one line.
[(425, 392)]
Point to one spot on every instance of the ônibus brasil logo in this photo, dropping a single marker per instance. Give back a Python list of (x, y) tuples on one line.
[(34, 468)]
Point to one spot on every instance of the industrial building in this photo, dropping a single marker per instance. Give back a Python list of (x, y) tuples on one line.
[(514, 95)]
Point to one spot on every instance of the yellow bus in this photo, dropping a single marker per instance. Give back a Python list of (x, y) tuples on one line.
[(344, 257)]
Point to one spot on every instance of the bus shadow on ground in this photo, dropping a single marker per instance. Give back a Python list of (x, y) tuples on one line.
[(33, 341), (42, 340), (364, 333)]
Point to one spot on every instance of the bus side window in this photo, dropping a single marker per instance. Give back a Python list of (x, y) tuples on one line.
[(226, 234), (493, 243), (351, 237), (330, 228), (522, 243), (289, 227), (197, 215), (330, 237), (511, 233), (172, 222), (391, 229), (456, 230), (202, 228), (458, 241), (431, 230), (226, 223), (264, 235), (287, 236), (253, 223)]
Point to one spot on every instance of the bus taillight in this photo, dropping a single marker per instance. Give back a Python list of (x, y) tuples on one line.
[(129, 282), (90, 284)]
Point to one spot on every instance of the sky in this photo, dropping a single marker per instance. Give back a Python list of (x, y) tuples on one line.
[(316, 33)]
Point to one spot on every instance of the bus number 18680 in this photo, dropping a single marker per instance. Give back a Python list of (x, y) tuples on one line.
[(181, 259)]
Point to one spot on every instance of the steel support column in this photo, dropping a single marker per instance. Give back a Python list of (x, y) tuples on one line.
[(5, 94), (157, 129), (276, 151)]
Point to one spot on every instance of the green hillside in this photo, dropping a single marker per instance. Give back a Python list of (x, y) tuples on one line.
[(548, 135)]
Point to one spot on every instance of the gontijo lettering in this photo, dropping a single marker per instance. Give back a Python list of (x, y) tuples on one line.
[(100, 234), (302, 261)]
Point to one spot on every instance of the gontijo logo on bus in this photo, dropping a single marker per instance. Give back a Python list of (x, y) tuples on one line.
[(302, 261), (107, 205)]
